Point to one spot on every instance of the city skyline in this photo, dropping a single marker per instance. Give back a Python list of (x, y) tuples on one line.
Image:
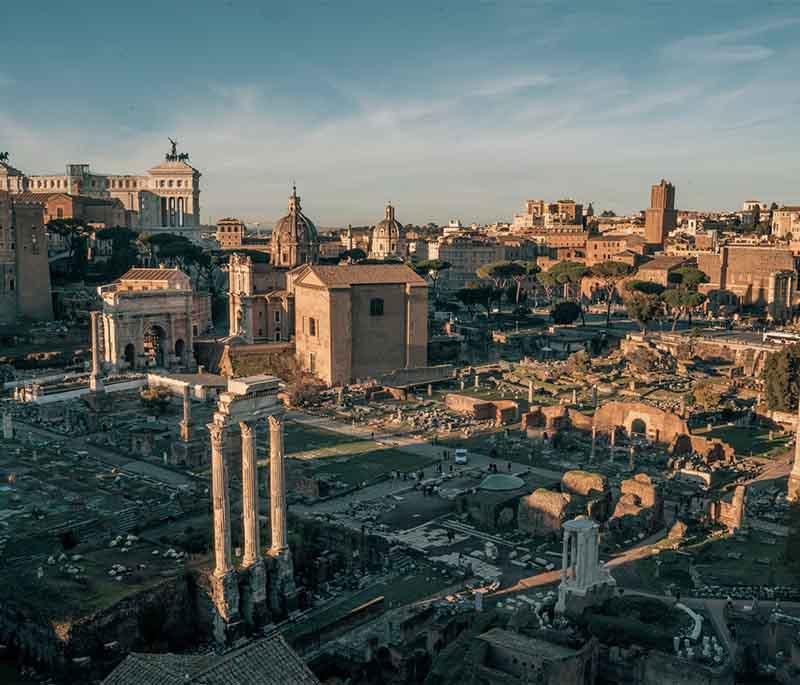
[(454, 111)]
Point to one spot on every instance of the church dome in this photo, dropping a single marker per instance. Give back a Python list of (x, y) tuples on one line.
[(295, 239), (387, 238), (388, 228)]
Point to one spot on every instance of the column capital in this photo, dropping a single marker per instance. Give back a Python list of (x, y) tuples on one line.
[(215, 431), (275, 422), (247, 428)]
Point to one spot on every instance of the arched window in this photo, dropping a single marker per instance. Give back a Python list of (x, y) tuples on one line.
[(376, 306)]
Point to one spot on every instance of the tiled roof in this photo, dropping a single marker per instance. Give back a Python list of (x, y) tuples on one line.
[(364, 274), (28, 197), (264, 662), (150, 274)]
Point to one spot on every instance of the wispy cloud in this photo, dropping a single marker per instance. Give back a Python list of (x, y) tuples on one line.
[(741, 46), (510, 85)]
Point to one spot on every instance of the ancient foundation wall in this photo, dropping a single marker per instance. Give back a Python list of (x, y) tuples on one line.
[(160, 617)]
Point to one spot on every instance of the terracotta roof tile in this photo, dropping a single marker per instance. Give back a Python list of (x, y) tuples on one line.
[(262, 662), (346, 275)]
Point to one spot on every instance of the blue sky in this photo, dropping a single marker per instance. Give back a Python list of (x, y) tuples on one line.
[(448, 109)]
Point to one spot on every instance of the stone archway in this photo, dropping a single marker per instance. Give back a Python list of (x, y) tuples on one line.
[(130, 355), (638, 427), (180, 349), (155, 341)]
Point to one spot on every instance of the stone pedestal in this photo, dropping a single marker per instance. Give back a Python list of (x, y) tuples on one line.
[(254, 595), (225, 597), (282, 590)]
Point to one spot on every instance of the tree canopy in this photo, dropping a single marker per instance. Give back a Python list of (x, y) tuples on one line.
[(782, 379), (609, 274), (643, 307), (565, 313)]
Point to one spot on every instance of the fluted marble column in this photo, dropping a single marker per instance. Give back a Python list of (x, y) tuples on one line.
[(220, 497), (277, 486), (252, 542), (95, 382)]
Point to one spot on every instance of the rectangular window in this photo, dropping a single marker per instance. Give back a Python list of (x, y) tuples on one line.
[(312, 327), (376, 307), (60, 212), (277, 317), (312, 362)]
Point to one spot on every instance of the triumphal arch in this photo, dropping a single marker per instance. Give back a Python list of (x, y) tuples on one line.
[(147, 320)]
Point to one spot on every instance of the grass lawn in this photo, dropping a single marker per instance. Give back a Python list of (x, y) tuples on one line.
[(299, 437), (745, 440), (368, 465)]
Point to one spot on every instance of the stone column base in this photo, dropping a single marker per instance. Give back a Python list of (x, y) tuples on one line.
[(254, 595), (225, 597), (282, 590)]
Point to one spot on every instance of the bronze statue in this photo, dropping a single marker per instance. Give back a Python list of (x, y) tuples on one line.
[(3, 156), (174, 143)]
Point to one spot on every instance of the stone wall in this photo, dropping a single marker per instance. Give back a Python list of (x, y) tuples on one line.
[(161, 616), (543, 512), (660, 425)]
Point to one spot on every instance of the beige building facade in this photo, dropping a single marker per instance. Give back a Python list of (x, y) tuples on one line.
[(786, 222), (149, 319), (167, 197), (356, 321)]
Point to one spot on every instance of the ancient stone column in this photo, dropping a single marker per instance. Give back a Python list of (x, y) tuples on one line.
[(186, 424), (631, 458), (595, 396), (95, 382), (221, 504), (530, 392), (574, 396), (564, 555), (252, 541), (277, 486), (477, 381), (594, 443)]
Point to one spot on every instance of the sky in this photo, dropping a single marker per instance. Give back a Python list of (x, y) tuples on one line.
[(461, 109)]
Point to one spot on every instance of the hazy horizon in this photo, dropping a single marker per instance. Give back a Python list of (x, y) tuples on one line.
[(460, 110)]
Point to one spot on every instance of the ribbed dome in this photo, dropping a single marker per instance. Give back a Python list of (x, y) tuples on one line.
[(389, 227), (388, 237), (295, 239)]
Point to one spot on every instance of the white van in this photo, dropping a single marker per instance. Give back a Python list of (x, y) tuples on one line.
[(460, 456)]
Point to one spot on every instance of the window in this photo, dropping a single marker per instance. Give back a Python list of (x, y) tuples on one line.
[(376, 307), (312, 327), (277, 317), (60, 212), (312, 361)]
